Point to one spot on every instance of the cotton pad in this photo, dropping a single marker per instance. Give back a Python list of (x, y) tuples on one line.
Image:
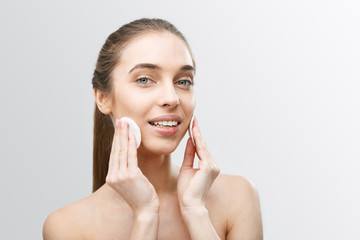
[(133, 128), (190, 130)]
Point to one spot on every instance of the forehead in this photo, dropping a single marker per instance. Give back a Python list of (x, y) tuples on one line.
[(164, 49)]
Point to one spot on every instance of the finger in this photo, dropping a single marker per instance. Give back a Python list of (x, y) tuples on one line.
[(202, 151), (115, 149), (124, 142), (189, 155), (132, 153), (197, 128), (201, 147)]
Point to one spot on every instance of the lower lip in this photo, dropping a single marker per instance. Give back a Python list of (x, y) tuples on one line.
[(166, 131)]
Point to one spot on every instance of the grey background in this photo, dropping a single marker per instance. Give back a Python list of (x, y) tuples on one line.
[(277, 100)]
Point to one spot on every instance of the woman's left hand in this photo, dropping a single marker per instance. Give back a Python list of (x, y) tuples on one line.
[(194, 183)]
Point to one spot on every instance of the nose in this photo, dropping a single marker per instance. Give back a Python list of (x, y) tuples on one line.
[(169, 97)]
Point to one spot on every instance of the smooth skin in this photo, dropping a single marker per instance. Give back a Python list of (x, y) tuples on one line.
[(146, 196)]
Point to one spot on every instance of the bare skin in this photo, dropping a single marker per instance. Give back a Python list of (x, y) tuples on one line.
[(232, 203), (145, 195)]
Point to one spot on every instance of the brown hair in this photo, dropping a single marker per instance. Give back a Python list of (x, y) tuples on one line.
[(108, 58)]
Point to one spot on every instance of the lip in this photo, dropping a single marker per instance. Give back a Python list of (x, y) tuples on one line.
[(166, 131), (167, 118)]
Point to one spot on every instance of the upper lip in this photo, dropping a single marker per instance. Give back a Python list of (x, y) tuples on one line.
[(167, 118)]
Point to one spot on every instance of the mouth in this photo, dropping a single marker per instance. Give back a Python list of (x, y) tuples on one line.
[(165, 124)]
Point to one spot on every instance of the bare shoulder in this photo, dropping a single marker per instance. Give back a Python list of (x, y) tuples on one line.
[(240, 201), (70, 222), (236, 187)]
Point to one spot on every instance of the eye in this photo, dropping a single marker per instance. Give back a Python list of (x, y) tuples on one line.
[(184, 83), (143, 81)]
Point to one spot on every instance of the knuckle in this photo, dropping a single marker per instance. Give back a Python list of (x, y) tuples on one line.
[(133, 175), (110, 180), (114, 151), (131, 155), (207, 168), (122, 178), (214, 169), (217, 170), (122, 151)]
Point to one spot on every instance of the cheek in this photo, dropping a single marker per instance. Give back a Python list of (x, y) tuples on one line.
[(189, 102), (129, 103)]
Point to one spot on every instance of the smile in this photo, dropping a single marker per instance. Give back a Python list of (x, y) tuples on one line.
[(165, 123)]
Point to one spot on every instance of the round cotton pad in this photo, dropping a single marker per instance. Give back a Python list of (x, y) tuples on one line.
[(190, 130), (133, 128)]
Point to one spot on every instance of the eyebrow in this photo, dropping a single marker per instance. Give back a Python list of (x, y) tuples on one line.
[(145, 65), (187, 68), (155, 67)]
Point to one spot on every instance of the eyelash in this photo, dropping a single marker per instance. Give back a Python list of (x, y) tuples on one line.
[(142, 78), (187, 81)]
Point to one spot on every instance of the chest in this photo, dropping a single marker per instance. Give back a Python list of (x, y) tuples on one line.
[(173, 227), (171, 224)]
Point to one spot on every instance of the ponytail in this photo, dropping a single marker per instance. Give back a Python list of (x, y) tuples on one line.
[(103, 136)]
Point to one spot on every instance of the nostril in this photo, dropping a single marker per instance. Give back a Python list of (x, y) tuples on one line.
[(170, 97), (173, 104)]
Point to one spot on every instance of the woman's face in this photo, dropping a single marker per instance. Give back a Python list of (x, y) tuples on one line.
[(153, 85)]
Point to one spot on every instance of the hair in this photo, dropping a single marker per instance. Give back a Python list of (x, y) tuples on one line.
[(108, 58)]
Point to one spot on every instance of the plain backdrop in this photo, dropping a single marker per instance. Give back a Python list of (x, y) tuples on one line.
[(277, 89)]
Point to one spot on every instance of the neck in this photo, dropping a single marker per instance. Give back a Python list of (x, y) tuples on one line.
[(159, 170)]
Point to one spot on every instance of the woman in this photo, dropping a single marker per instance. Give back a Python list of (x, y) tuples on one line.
[(145, 71)]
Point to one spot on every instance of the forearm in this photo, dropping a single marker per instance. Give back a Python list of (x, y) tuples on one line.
[(145, 226), (198, 224)]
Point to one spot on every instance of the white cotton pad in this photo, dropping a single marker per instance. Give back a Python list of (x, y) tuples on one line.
[(190, 130), (133, 128)]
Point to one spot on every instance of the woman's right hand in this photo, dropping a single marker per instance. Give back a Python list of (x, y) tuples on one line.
[(124, 175)]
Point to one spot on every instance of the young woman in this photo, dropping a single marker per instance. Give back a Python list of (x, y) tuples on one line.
[(145, 71)]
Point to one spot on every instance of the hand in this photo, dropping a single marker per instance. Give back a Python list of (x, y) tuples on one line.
[(124, 175), (194, 184)]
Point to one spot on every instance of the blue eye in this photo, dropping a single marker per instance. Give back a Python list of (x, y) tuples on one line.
[(143, 80), (185, 83)]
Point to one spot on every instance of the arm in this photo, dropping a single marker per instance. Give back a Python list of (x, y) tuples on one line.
[(146, 226), (62, 224), (198, 223), (126, 178), (244, 210), (193, 186)]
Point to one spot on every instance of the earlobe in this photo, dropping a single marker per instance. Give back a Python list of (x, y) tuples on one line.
[(102, 101)]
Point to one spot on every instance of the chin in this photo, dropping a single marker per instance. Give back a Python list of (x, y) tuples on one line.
[(159, 147)]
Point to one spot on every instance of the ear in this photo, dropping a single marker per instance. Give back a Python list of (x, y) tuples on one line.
[(103, 101)]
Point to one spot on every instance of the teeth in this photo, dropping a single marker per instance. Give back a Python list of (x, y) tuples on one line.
[(165, 123)]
